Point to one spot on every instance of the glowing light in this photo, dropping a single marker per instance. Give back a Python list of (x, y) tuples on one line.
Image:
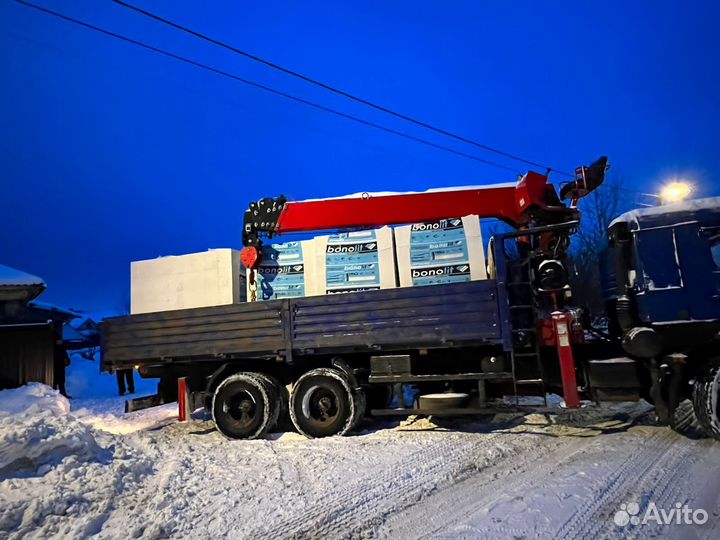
[(675, 192), (137, 367)]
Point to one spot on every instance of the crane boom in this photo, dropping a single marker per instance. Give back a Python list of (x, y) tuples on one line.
[(531, 201)]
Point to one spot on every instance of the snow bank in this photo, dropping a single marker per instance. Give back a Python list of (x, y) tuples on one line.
[(59, 476), (108, 414), (31, 399), (35, 431)]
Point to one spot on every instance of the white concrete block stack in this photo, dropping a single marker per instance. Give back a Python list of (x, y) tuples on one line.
[(211, 278), (438, 252)]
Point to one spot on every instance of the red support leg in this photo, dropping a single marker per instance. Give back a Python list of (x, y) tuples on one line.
[(562, 323), (183, 400)]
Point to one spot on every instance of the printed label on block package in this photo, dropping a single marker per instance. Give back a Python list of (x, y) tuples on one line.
[(281, 273), (434, 275), (352, 262), (439, 252)]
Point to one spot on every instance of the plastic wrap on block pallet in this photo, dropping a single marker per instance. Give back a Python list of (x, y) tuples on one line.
[(355, 261), (209, 278), (283, 272), (444, 251)]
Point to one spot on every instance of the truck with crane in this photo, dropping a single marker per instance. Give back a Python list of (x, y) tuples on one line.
[(325, 362)]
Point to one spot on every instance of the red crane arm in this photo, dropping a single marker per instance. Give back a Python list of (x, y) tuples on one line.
[(532, 201), (513, 204), (531, 198), (502, 202)]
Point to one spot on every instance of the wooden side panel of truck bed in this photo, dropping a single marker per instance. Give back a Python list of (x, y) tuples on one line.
[(408, 317), (383, 320)]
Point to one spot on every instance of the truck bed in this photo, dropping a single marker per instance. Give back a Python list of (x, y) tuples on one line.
[(453, 315)]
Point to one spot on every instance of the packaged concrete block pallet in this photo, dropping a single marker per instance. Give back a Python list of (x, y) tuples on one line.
[(444, 251), (211, 278), (283, 271), (355, 261)]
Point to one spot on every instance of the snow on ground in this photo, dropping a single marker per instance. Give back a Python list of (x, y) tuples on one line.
[(95, 400), (90, 472), (58, 476)]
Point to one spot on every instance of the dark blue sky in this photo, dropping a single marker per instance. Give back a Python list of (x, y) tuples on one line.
[(110, 153)]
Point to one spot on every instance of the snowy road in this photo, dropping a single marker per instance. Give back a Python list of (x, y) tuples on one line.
[(533, 476), (572, 490)]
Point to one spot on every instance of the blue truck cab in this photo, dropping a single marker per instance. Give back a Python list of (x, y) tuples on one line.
[(661, 281), (674, 262), (668, 260)]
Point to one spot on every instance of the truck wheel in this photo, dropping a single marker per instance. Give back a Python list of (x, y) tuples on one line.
[(685, 422), (242, 406), (323, 403), (360, 407), (273, 387), (280, 403), (706, 401)]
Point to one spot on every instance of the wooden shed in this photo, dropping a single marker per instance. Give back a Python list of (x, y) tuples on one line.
[(29, 331)]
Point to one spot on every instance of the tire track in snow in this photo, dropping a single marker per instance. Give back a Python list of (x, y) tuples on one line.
[(347, 510), (594, 518), (656, 468), (664, 491), (140, 513), (479, 491)]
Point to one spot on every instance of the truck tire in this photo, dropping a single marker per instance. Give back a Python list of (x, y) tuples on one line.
[(685, 422), (360, 407), (706, 401), (242, 406), (273, 387), (323, 403), (280, 398)]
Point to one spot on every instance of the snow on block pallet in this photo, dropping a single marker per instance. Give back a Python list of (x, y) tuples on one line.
[(355, 261), (283, 271), (444, 251), (210, 278)]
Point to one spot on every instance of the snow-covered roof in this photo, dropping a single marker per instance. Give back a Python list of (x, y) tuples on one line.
[(71, 334), (87, 325), (689, 207), (10, 277), (69, 313)]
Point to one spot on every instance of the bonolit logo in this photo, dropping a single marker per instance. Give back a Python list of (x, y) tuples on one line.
[(680, 514)]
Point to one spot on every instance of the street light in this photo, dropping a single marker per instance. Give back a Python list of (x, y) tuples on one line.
[(675, 192)]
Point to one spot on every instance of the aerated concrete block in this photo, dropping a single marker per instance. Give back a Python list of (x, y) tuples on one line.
[(444, 251), (284, 271), (355, 261)]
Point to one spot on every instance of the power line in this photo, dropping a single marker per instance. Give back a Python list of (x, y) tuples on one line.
[(263, 87), (336, 90)]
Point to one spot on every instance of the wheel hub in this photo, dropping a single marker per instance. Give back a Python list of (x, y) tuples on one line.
[(320, 405), (241, 408)]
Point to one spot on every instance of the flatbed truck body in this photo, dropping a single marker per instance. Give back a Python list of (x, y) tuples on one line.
[(324, 362)]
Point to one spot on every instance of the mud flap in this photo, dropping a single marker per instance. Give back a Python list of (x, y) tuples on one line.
[(140, 403)]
